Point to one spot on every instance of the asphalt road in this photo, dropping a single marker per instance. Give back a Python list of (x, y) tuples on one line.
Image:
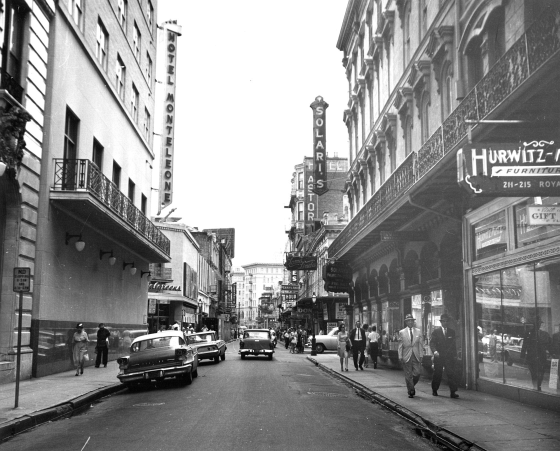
[(254, 404)]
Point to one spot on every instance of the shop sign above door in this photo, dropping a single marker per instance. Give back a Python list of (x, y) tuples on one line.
[(510, 170)]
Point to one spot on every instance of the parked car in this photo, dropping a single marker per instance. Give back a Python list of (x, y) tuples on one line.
[(157, 357), (256, 342), (512, 351), (325, 342), (208, 346)]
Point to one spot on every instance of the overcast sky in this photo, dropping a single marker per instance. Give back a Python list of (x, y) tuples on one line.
[(247, 71)]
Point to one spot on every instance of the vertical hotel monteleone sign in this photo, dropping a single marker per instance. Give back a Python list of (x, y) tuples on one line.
[(319, 146), (171, 32)]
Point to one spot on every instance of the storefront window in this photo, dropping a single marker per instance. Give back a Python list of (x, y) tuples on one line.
[(518, 324), (536, 219), (490, 236)]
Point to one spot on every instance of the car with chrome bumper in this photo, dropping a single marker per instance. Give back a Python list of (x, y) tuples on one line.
[(159, 356), (208, 346), (256, 342)]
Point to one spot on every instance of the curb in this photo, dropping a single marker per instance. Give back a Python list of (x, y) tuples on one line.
[(64, 410), (423, 427)]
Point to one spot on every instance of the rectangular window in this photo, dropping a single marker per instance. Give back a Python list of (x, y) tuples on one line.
[(134, 98), (102, 44), (69, 175), (149, 69), (136, 37), (131, 189), (536, 220), (143, 204), (123, 6), (14, 42), (147, 119), (75, 7), (300, 180), (97, 156), (120, 75), (300, 211), (151, 16), (116, 174), (490, 236)]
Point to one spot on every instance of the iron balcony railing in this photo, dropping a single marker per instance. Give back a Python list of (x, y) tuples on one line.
[(73, 175), (526, 56), (10, 84)]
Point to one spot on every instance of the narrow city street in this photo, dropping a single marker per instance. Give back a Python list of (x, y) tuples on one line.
[(286, 403)]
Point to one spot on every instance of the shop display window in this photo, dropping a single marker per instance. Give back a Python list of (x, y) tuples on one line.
[(490, 236), (518, 325), (536, 219)]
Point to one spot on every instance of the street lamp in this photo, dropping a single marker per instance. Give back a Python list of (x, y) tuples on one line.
[(313, 341)]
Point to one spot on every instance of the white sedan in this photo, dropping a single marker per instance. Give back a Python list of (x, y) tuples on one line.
[(325, 342)]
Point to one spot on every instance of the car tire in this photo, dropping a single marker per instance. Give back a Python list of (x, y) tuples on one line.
[(242, 356), (223, 356), (187, 378), (217, 359), (320, 348), (195, 373), (269, 356)]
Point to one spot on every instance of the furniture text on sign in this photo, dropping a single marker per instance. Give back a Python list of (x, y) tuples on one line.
[(512, 169), (22, 279), (319, 107)]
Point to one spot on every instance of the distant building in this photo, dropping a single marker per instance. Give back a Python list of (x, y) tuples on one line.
[(260, 281)]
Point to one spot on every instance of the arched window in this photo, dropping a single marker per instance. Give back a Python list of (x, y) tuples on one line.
[(447, 92)]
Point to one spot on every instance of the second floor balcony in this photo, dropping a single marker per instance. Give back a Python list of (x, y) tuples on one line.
[(81, 189)]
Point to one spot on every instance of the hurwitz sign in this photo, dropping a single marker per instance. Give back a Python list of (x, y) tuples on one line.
[(319, 146), (527, 169), (171, 31)]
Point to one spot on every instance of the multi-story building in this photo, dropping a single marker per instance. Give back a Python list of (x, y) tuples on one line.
[(432, 85), (173, 289), (85, 72), (238, 283), (23, 95), (260, 280)]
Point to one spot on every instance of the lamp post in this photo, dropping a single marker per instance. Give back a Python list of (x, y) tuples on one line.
[(313, 341)]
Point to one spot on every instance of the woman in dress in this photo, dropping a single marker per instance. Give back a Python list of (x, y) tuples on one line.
[(79, 349), (341, 346), (367, 346)]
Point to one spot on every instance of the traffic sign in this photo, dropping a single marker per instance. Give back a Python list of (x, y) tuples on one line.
[(22, 279)]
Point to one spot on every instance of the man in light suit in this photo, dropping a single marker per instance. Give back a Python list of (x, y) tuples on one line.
[(410, 354), (358, 343), (442, 344)]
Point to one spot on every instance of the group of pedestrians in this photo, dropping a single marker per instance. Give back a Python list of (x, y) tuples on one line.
[(80, 341), (295, 340), (364, 343)]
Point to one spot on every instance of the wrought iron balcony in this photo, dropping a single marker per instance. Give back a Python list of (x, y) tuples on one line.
[(535, 48), (80, 185), (10, 84)]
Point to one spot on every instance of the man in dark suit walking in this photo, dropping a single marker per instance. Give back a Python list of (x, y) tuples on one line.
[(358, 341), (442, 344)]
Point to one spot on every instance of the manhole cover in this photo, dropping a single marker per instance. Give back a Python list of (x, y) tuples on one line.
[(329, 395), (149, 404)]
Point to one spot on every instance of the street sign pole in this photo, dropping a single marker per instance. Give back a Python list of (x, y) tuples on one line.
[(22, 283)]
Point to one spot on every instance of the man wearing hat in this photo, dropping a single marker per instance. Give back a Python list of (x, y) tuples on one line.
[(442, 344), (102, 346), (410, 353)]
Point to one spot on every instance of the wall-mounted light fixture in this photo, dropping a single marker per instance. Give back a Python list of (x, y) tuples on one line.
[(80, 244), (132, 267), (2, 168), (112, 259), (149, 278)]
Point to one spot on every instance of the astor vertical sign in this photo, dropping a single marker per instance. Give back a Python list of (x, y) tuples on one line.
[(319, 146), (171, 31)]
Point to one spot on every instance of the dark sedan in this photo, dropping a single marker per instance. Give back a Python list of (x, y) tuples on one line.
[(256, 342)]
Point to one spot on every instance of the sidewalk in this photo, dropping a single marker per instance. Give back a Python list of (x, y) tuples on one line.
[(50, 397), (489, 422)]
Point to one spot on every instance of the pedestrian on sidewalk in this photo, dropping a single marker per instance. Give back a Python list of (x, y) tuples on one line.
[(410, 353), (374, 339), (493, 345), (442, 344), (358, 343), (79, 349), (102, 347), (366, 363), (343, 346), (534, 352)]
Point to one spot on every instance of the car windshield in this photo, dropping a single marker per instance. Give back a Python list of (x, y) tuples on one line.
[(333, 332), (202, 338), (160, 342), (255, 334)]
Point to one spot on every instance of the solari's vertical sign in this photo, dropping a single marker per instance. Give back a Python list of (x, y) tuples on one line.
[(319, 108), (171, 31)]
